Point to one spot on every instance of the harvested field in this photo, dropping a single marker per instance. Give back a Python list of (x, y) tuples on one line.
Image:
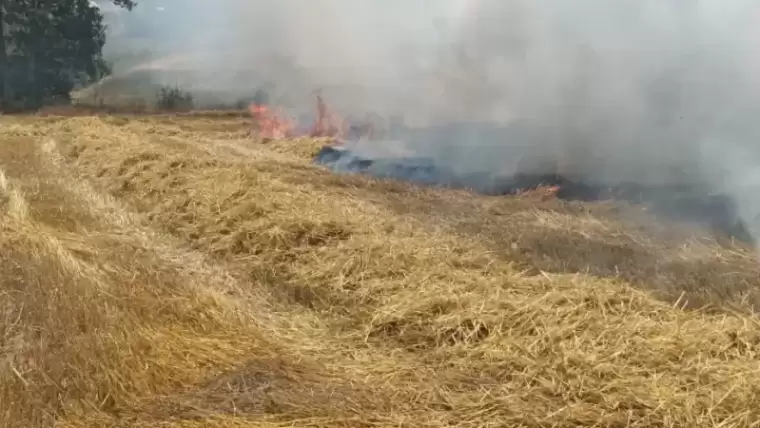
[(167, 271)]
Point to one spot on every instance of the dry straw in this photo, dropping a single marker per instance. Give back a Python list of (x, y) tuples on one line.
[(169, 272)]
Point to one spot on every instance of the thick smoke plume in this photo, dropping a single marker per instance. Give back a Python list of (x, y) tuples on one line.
[(650, 91)]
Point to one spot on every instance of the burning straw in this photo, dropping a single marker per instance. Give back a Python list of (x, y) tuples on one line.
[(271, 123)]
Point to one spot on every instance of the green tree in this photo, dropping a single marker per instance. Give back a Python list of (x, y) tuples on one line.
[(47, 47)]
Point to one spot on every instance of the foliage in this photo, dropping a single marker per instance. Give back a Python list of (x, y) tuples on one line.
[(48, 48), (173, 98)]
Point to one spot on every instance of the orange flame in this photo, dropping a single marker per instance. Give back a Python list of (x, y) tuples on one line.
[(540, 192), (273, 125), (326, 123)]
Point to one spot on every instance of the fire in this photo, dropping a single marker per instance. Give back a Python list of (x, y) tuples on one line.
[(273, 124), (269, 124), (543, 192), (326, 123)]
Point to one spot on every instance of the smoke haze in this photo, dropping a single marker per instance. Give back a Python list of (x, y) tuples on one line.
[(625, 90)]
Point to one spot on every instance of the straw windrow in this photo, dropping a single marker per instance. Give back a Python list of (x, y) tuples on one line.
[(166, 271)]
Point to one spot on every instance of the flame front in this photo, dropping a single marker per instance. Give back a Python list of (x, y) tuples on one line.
[(272, 125), (326, 123)]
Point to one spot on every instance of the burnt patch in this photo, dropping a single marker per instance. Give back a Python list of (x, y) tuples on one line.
[(691, 202)]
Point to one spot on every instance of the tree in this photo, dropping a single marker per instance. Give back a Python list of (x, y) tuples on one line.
[(128, 4), (47, 47)]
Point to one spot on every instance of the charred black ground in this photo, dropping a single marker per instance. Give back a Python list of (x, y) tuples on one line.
[(686, 202)]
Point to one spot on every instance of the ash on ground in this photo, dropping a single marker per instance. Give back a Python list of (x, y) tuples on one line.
[(690, 202)]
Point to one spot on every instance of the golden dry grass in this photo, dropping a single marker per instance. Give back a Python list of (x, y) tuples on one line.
[(168, 272)]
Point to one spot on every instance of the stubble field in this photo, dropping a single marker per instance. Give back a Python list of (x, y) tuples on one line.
[(170, 271)]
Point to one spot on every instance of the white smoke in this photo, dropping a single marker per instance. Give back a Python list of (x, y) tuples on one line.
[(625, 90)]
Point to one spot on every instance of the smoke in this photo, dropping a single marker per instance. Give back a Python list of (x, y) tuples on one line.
[(651, 91)]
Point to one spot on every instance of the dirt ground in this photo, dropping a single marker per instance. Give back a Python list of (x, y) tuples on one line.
[(169, 271)]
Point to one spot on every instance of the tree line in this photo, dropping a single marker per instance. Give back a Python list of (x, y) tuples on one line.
[(47, 48)]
